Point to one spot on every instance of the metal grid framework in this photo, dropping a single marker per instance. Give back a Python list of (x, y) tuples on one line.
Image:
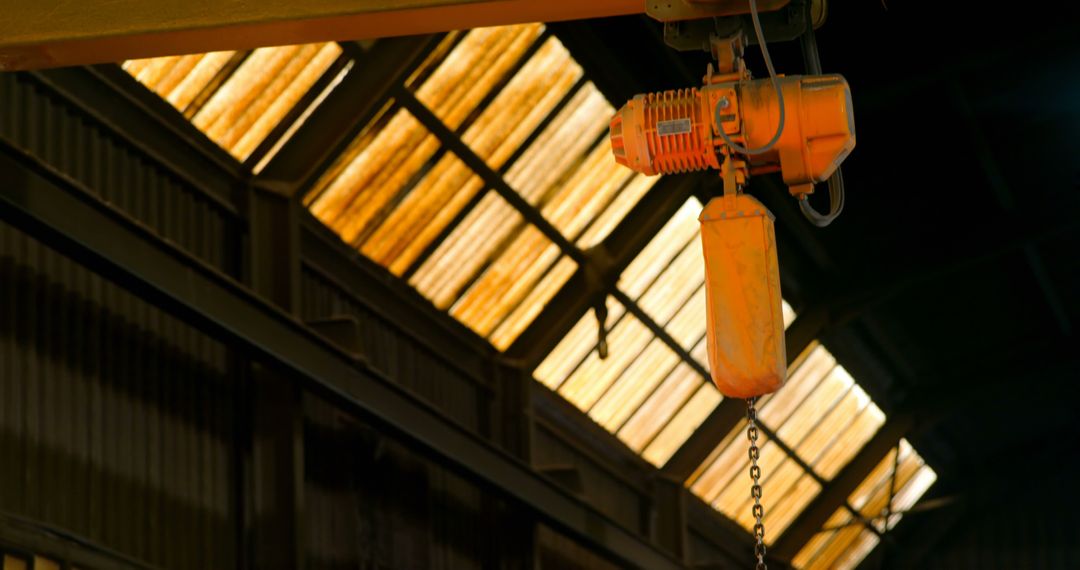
[(648, 393), (874, 508), (823, 416), (653, 399), (483, 182), (240, 100)]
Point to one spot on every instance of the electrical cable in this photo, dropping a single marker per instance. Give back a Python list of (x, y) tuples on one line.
[(836, 202), (836, 181), (776, 87)]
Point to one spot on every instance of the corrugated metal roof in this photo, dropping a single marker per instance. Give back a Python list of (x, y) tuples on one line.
[(519, 102), (644, 392), (407, 202), (651, 399), (891, 489), (821, 414), (236, 98)]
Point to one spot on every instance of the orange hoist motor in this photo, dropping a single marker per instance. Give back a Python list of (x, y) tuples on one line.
[(678, 131), (741, 127)]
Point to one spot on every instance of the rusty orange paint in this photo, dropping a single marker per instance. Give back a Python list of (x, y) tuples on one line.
[(667, 11), (36, 34), (676, 131), (679, 131), (745, 331)]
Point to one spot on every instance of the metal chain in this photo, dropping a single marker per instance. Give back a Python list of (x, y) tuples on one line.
[(755, 489)]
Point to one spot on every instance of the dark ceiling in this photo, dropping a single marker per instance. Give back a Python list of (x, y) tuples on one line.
[(952, 277)]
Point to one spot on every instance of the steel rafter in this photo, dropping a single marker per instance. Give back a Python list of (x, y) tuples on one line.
[(345, 111), (35, 34), (70, 219)]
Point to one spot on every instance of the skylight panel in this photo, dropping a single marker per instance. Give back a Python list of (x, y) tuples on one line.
[(237, 98), (845, 540)]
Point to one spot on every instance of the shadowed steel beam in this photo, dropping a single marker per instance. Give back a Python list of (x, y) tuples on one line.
[(340, 117), (318, 90), (478, 165), (68, 218), (834, 494), (978, 493), (588, 286), (115, 100), (1006, 199), (475, 200), (591, 263), (50, 33)]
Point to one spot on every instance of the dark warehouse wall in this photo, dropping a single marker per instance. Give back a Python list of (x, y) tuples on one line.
[(130, 438), (1015, 512), (1039, 530), (38, 118), (119, 422), (372, 503), (121, 425), (116, 420), (126, 429)]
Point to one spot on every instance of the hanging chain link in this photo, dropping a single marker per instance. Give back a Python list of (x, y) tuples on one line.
[(755, 489)]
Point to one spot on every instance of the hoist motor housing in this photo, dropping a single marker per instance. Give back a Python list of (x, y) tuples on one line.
[(675, 131)]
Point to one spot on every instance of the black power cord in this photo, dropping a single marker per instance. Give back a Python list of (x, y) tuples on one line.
[(836, 182)]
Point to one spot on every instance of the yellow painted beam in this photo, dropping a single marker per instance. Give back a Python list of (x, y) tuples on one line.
[(53, 33)]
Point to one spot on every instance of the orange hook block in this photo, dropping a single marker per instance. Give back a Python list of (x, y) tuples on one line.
[(745, 332)]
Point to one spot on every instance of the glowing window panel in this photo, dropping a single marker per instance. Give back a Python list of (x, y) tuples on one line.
[(845, 541), (361, 187), (13, 563), (724, 483), (422, 215), (821, 413), (686, 326), (616, 210), (179, 79), (682, 425), (634, 386), (642, 427), (560, 146), (679, 281), (406, 202), (642, 392), (507, 281), (237, 107), (573, 348), (529, 308), (523, 104), (587, 383), (476, 64), (490, 225), (675, 235)]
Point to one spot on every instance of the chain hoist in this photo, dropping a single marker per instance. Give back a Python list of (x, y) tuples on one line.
[(802, 127), (755, 487)]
